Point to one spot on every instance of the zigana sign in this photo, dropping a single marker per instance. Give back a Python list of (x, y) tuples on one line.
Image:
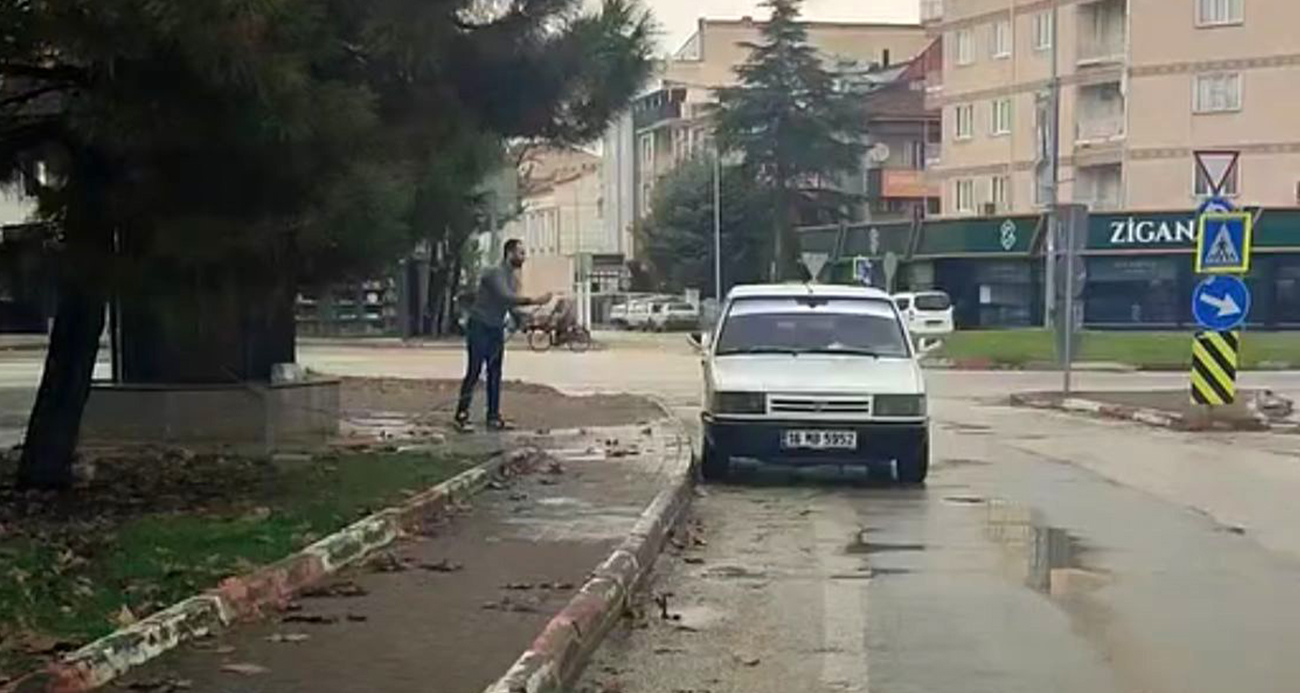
[(1137, 231)]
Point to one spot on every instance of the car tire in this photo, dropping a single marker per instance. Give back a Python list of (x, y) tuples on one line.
[(913, 470), (715, 465)]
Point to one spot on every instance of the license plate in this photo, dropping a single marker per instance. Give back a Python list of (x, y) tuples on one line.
[(820, 440), (934, 323)]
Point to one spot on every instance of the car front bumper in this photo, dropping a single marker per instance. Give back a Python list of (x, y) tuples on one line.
[(878, 442)]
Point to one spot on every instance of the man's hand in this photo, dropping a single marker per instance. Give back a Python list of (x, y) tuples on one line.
[(542, 300)]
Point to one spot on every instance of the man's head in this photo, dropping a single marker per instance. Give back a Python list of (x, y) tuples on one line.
[(514, 253)]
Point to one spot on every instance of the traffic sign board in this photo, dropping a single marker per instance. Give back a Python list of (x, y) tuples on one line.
[(1216, 167), (862, 270), (1223, 242), (1215, 356), (1221, 303)]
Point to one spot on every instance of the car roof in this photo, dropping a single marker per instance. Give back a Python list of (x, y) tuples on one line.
[(796, 290)]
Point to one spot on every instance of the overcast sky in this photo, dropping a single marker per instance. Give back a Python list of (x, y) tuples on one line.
[(677, 18)]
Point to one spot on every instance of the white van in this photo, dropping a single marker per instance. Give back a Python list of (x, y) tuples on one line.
[(813, 375), (928, 313)]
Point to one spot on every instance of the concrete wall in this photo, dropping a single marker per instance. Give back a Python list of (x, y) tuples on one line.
[(252, 416)]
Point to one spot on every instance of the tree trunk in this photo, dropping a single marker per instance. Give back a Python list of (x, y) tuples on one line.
[(55, 423)]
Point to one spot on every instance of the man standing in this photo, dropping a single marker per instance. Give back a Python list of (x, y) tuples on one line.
[(485, 340)]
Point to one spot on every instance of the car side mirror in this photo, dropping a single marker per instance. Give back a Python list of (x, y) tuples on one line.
[(928, 345)]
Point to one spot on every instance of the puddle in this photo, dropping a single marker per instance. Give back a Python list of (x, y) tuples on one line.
[(1046, 558)]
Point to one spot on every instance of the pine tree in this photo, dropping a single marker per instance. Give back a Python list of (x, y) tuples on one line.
[(797, 133), (205, 157)]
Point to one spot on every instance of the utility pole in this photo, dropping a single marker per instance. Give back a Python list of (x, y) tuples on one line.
[(717, 225), (1054, 174)]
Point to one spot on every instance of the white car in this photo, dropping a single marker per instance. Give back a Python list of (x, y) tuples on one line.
[(678, 315), (928, 313), (813, 375)]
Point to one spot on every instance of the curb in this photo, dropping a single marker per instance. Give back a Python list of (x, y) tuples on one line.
[(1150, 417), (247, 596), (562, 649)]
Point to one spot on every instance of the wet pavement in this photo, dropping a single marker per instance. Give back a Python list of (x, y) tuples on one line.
[(450, 610), (1010, 571)]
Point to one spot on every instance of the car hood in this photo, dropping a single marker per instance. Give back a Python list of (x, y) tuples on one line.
[(822, 373)]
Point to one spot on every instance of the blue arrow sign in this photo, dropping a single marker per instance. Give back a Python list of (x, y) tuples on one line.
[(1221, 303)]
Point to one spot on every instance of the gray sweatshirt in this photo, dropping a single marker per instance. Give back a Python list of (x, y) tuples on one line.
[(498, 295)]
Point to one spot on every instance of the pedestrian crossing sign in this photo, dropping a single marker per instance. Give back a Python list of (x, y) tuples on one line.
[(1223, 243)]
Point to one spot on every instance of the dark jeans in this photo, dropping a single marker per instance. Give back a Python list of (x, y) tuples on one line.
[(486, 346)]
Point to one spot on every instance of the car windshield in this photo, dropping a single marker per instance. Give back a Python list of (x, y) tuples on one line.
[(933, 302), (798, 325)]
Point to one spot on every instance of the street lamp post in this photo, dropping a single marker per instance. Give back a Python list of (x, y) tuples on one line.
[(717, 225)]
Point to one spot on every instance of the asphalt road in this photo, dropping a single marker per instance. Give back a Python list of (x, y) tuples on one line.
[(1047, 552)]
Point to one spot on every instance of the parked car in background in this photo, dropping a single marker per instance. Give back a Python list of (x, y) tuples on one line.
[(640, 314), (928, 313), (677, 315)]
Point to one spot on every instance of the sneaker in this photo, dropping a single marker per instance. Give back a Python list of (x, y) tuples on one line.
[(497, 423), (462, 424)]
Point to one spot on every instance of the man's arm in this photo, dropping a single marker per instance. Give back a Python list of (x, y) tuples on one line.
[(496, 283)]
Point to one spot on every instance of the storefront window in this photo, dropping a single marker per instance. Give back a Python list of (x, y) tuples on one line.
[(1287, 297), (1134, 291), (1006, 294)]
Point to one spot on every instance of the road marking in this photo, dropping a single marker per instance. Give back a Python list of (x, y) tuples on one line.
[(844, 602)]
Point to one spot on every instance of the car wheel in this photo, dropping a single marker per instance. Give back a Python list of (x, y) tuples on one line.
[(715, 465), (913, 470)]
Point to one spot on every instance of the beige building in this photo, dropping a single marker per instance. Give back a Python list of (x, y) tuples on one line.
[(669, 123), (1145, 83)]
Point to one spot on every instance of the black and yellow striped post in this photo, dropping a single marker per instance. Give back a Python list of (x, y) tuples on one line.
[(1214, 367)]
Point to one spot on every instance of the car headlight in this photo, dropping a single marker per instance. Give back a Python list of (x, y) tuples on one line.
[(900, 405), (739, 403)]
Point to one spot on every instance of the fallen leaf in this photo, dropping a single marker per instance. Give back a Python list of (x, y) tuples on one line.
[(358, 618), (125, 617), (518, 586), (748, 660), (310, 618), (244, 668), (443, 566), (693, 560), (287, 637), (347, 588)]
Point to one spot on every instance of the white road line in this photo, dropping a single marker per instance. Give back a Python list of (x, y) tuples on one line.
[(844, 602)]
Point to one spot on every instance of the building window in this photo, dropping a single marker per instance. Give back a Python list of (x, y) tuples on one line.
[(1231, 186), (1001, 117), (964, 196), (965, 47), (1001, 44), (1218, 93), (998, 187), (1043, 30), (965, 121), (1218, 12), (647, 150)]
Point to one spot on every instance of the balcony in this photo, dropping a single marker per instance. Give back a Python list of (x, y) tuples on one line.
[(1103, 31), (657, 107), (1101, 112)]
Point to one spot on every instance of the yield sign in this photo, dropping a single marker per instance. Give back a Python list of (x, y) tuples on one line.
[(1216, 167)]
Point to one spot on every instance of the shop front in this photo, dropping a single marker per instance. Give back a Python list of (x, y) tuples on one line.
[(1139, 267)]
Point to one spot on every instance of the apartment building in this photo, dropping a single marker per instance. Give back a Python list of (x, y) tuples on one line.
[(1144, 84), (669, 123)]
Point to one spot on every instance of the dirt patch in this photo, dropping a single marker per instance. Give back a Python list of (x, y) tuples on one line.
[(526, 404)]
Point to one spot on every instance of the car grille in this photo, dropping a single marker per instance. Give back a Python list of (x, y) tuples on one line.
[(819, 407)]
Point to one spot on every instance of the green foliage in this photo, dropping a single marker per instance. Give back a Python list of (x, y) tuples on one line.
[(796, 131), (678, 234), (322, 135)]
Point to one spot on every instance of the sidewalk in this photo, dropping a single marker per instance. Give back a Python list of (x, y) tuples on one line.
[(453, 610)]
